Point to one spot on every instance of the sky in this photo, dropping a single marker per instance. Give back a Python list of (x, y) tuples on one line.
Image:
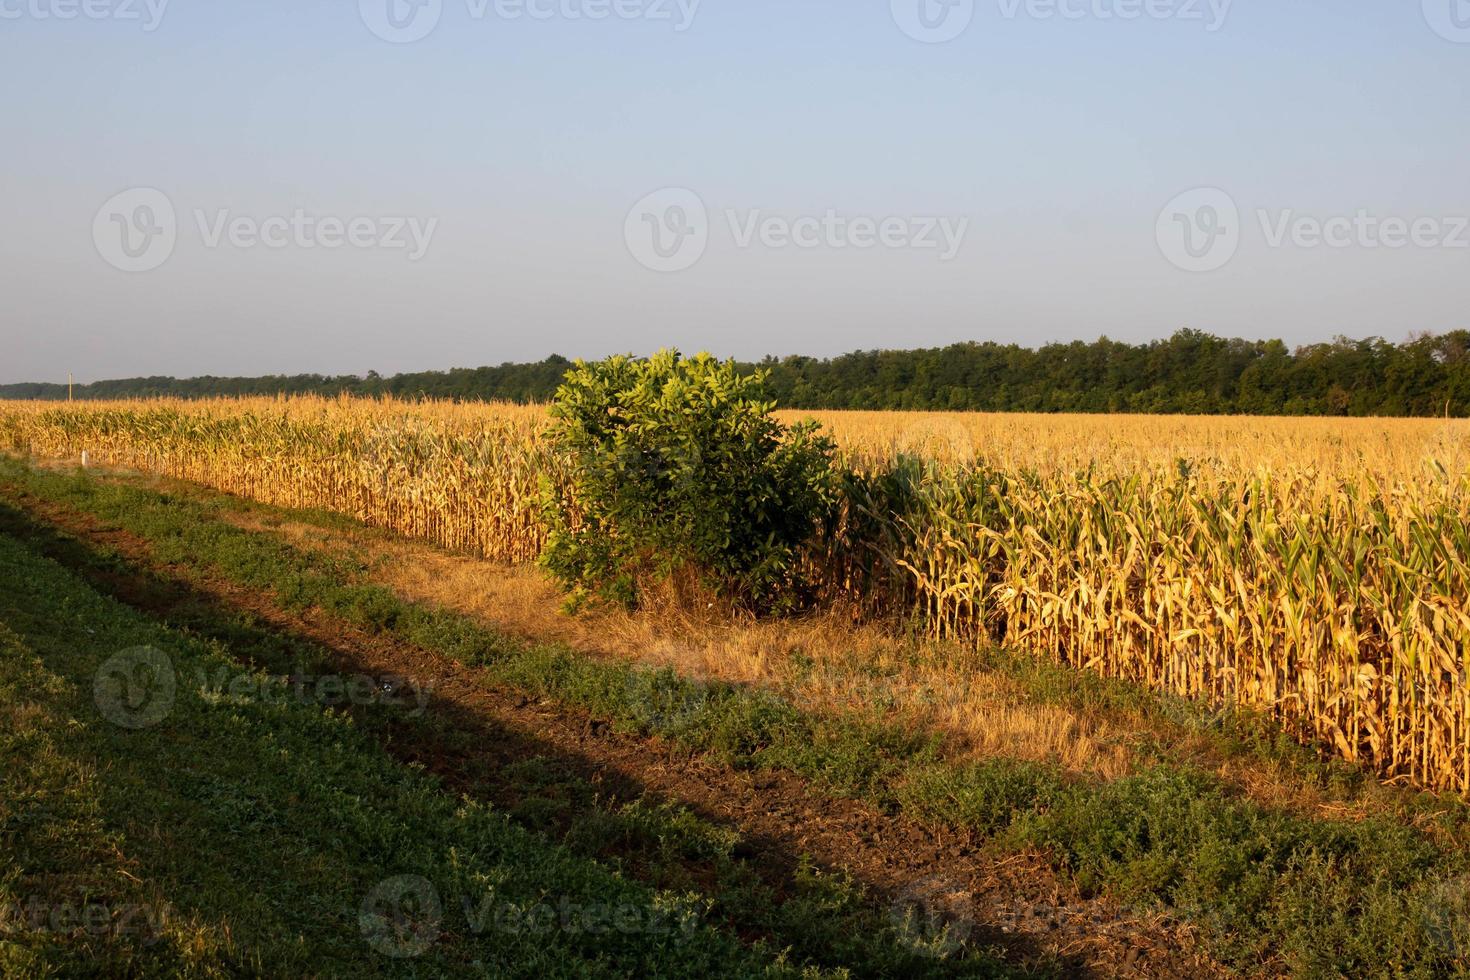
[(285, 186)]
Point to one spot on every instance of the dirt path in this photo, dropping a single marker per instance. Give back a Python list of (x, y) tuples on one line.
[(1013, 901)]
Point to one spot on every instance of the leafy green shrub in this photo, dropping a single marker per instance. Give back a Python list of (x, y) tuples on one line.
[(678, 469)]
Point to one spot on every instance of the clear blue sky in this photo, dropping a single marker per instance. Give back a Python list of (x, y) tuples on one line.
[(527, 142)]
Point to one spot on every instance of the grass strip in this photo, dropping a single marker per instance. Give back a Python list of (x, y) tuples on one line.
[(268, 837)]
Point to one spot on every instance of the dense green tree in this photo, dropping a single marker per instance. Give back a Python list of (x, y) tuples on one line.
[(1195, 372)]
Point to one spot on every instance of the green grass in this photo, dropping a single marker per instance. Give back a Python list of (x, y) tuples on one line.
[(246, 836), (1319, 897)]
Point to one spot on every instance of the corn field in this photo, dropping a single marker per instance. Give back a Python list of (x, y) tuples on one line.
[(1318, 570), (461, 478)]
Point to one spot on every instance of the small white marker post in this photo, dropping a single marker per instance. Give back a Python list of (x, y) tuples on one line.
[(70, 384)]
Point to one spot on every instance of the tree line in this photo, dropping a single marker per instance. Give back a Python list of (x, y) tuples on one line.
[(1189, 373)]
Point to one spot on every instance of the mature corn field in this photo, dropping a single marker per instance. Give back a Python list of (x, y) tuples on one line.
[(461, 477), (1317, 569)]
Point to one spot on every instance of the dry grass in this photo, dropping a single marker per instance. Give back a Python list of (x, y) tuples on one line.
[(824, 661), (21, 717)]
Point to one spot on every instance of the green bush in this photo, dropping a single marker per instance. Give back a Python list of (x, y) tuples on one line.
[(678, 470)]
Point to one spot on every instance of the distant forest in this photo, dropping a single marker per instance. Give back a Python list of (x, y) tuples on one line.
[(1191, 372)]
